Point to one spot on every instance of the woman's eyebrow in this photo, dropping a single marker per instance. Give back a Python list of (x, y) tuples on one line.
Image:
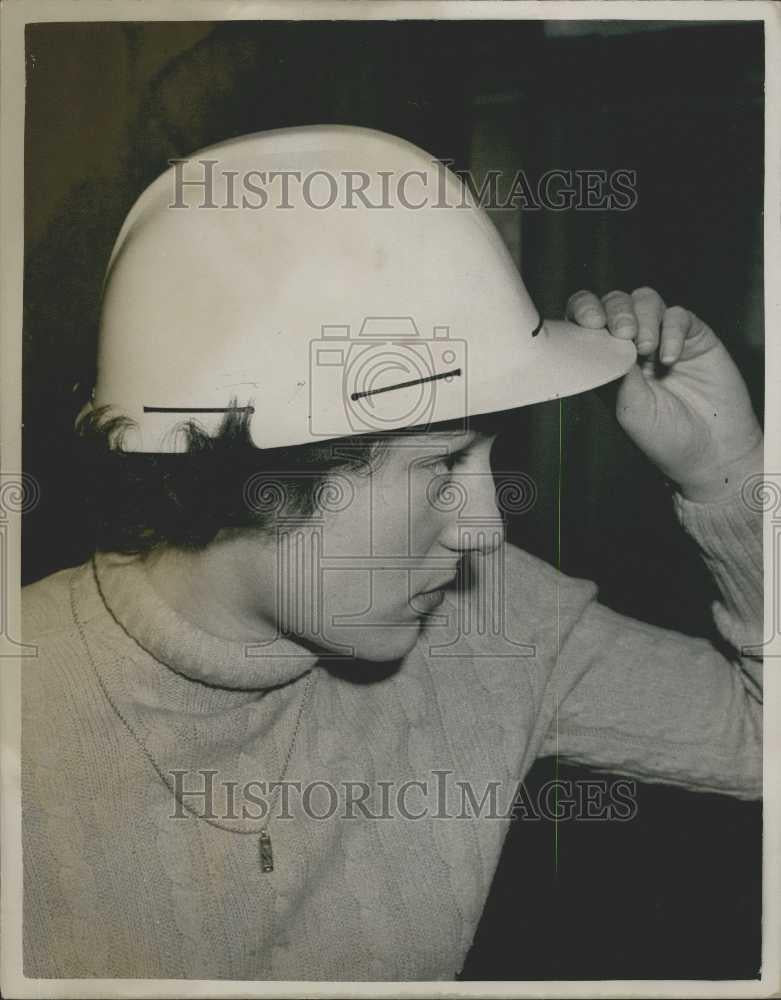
[(454, 441), (465, 437)]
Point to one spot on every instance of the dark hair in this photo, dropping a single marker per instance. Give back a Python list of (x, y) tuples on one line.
[(141, 500), (138, 501)]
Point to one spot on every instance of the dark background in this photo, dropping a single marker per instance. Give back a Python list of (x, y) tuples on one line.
[(675, 893)]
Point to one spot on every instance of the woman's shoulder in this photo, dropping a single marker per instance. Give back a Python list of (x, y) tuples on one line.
[(52, 659), (46, 603), (508, 605), (64, 714), (534, 588)]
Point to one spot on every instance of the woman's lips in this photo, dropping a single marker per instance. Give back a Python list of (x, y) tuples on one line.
[(428, 600)]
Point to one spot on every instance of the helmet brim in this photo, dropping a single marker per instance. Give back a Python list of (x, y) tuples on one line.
[(571, 360)]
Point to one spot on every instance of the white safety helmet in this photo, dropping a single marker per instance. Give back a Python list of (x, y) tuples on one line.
[(329, 281)]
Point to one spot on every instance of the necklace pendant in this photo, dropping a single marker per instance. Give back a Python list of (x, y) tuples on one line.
[(266, 853)]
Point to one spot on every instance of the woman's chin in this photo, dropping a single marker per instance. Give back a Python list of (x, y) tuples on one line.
[(378, 644)]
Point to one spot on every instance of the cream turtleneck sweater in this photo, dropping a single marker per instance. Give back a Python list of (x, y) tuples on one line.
[(117, 885)]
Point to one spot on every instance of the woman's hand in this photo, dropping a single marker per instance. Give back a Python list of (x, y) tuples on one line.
[(684, 404)]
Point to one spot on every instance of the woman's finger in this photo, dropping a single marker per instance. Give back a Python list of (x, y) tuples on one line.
[(621, 318), (585, 309), (676, 324), (649, 309)]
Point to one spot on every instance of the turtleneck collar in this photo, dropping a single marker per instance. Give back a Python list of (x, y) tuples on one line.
[(181, 645)]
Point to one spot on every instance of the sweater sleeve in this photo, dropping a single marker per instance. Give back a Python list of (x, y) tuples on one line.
[(651, 703)]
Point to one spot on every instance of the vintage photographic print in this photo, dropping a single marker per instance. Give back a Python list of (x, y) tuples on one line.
[(385, 502)]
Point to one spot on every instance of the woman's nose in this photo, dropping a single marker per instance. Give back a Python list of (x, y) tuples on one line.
[(474, 521)]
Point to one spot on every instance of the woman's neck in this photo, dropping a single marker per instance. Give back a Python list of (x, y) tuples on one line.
[(214, 588)]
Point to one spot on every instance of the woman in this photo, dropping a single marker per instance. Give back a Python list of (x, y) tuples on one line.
[(275, 725)]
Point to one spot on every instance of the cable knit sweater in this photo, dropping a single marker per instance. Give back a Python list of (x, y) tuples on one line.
[(117, 885)]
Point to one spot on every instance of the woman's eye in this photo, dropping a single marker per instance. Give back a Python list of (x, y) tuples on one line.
[(454, 459), (448, 462)]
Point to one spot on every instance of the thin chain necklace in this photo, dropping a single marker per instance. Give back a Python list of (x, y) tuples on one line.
[(265, 849)]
